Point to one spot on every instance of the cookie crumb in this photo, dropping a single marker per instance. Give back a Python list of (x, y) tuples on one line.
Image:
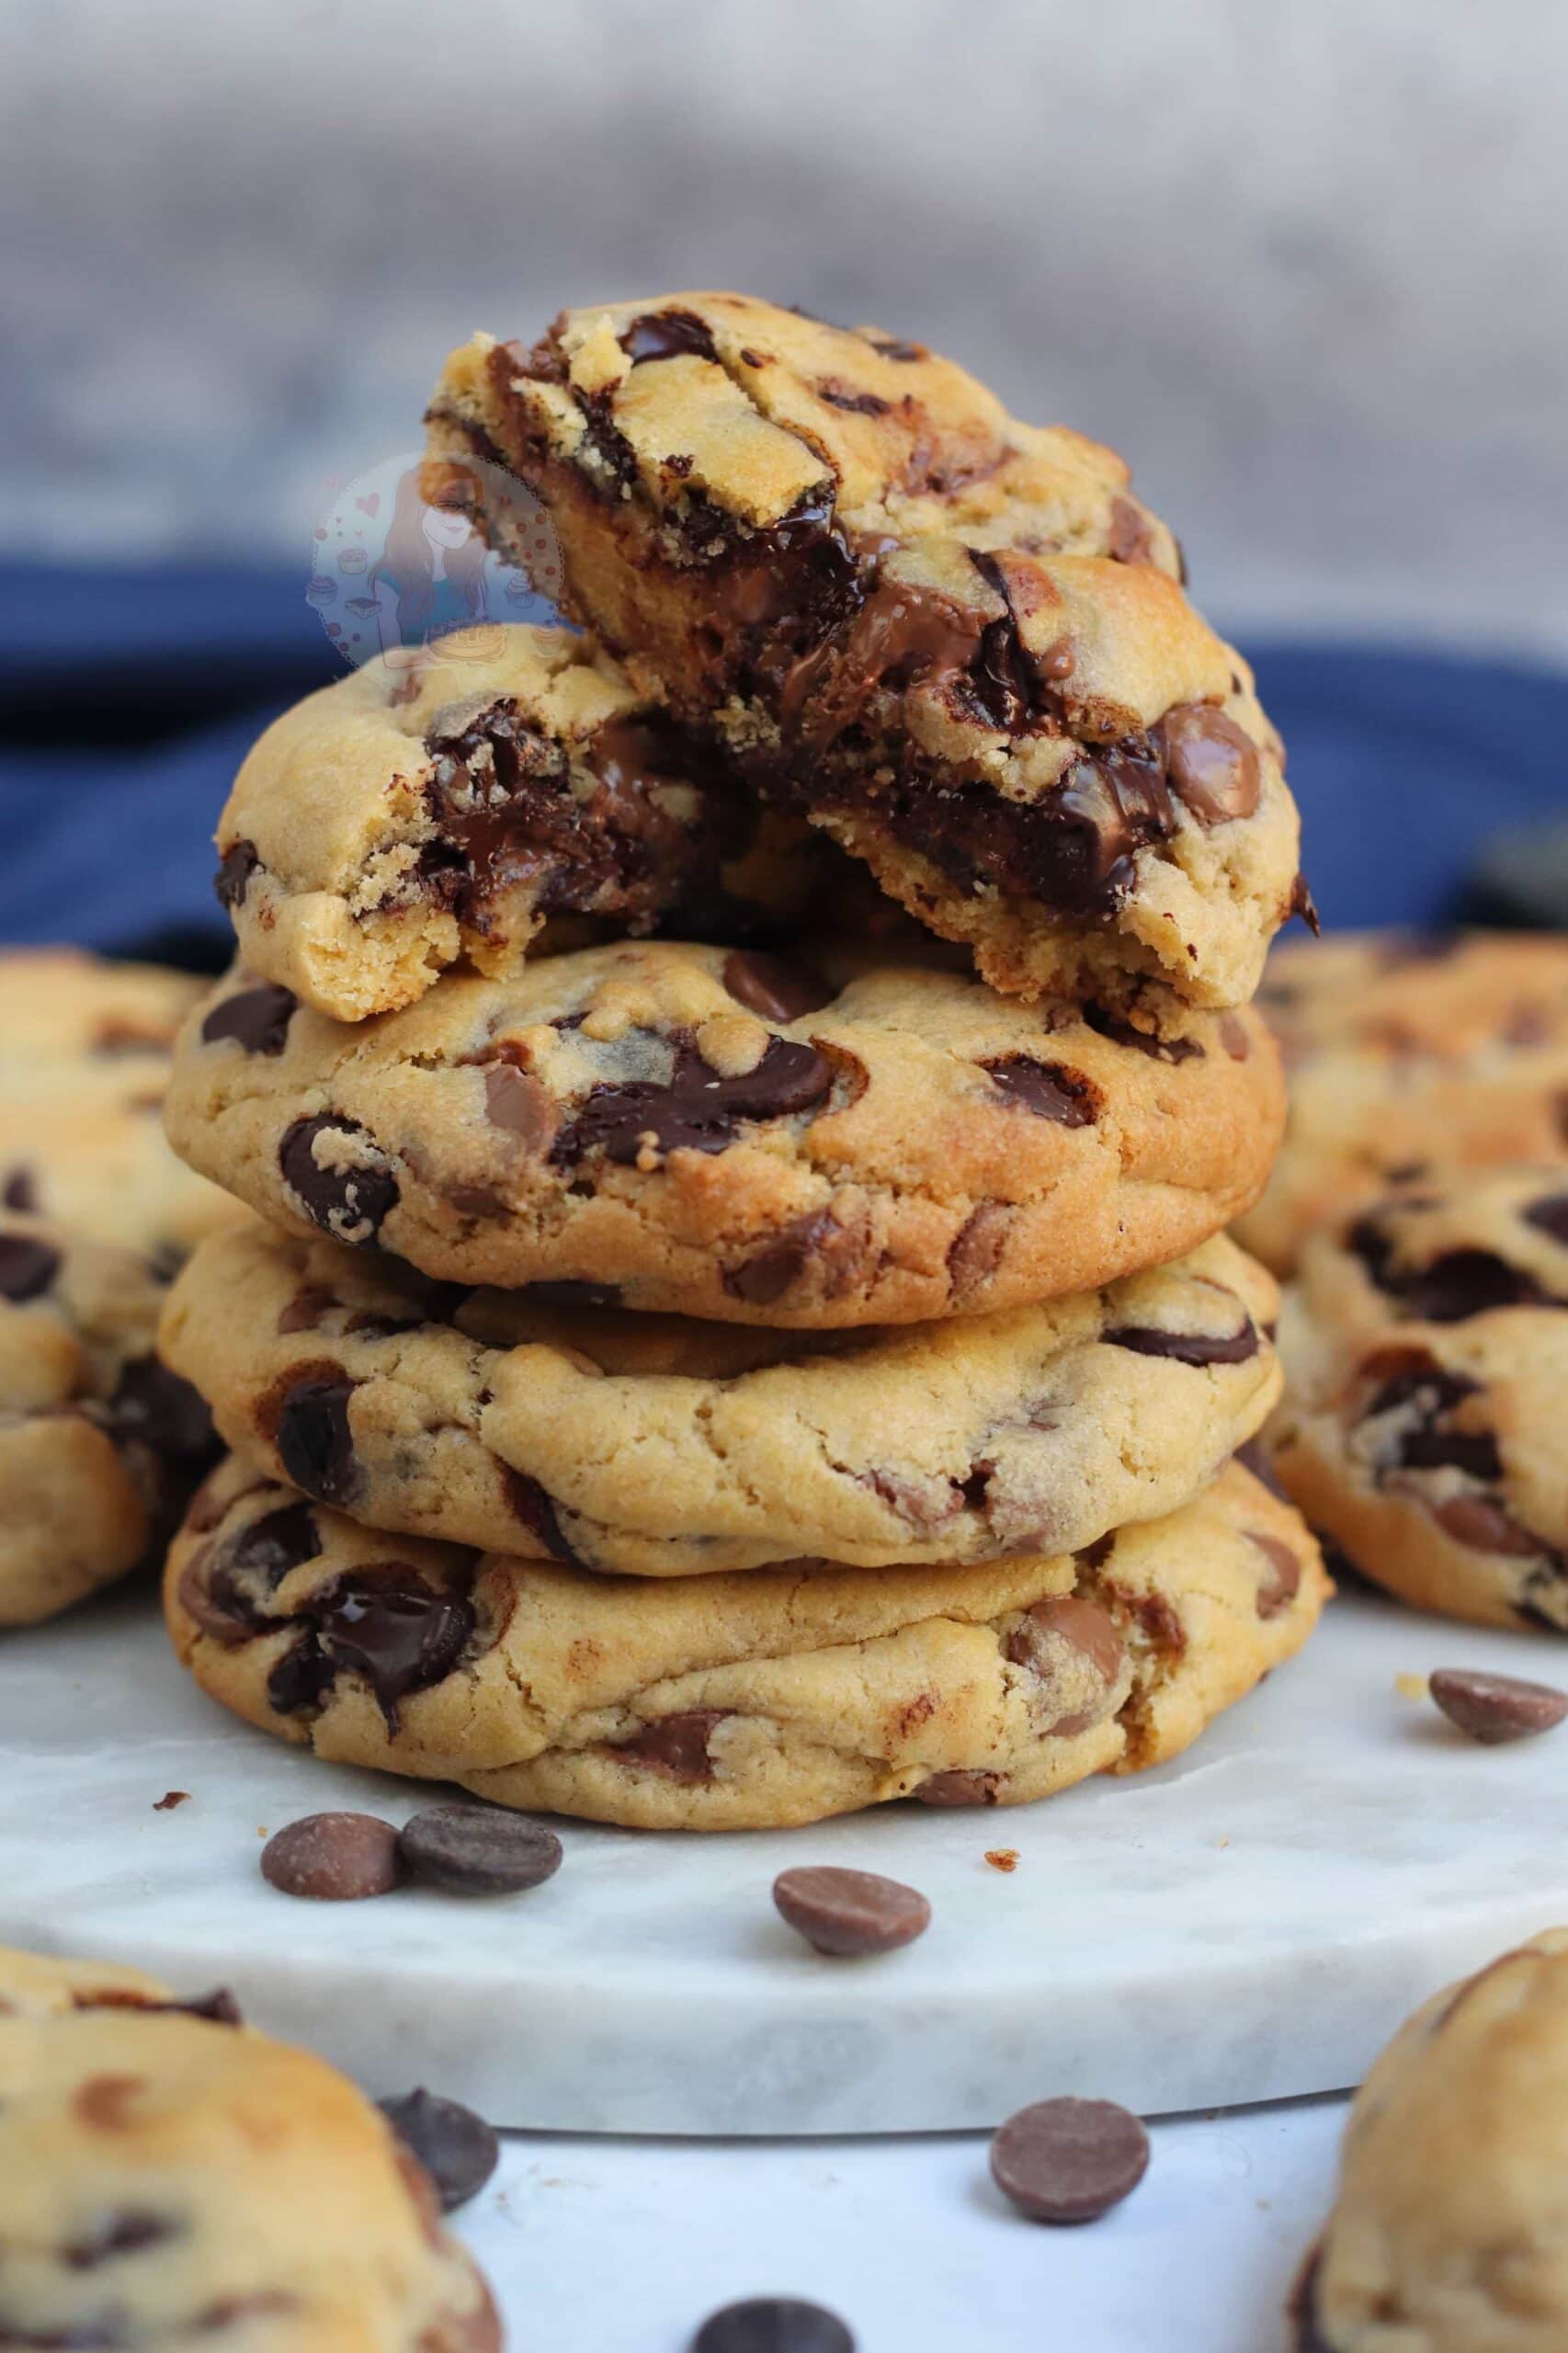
[(1411, 1686), (170, 1799), (1002, 1859)]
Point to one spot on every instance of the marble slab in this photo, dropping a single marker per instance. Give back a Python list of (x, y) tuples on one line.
[(1248, 1922)]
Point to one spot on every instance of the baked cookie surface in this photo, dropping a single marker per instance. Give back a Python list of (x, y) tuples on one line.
[(1446, 2230), (856, 1136), (164, 2176), (85, 1051), (448, 803), (1409, 1054), (99, 1442), (734, 1702), (956, 638), (659, 1446), (1426, 1354)]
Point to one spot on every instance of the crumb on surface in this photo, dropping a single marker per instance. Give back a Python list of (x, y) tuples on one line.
[(1411, 1686), (1002, 1859), (170, 1799)]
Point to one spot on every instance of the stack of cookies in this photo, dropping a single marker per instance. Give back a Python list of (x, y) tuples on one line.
[(742, 1100)]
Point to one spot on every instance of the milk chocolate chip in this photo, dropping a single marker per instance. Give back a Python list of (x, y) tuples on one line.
[(1069, 2160), (1496, 1708), (333, 1858), (675, 1746), (849, 1914), (1279, 1588), (1211, 764)]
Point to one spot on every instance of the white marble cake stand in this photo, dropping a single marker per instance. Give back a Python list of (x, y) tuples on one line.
[(1248, 1922)]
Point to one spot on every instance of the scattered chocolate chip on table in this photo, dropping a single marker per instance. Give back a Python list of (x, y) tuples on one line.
[(850, 1914), (1496, 1708), (478, 1850), (1069, 2160), (333, 1858), (773, 2324)]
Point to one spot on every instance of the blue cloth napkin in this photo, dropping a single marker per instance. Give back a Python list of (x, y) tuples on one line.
[(128, 698)]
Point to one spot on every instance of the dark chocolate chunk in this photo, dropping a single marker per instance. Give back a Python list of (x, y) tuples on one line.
[(154, 1405), (19, 1191), (770, 1270), (235, 868), (1279, 1588), (257, 1019), (958, 1789), (847, 1913), (1069, 2160), (768, 985), (844, 396), (27, 1266), (389, 1625), (333, 1858), (773, 2324), (697, 1109), (1496, 1708), (1162, 1050), (349, 1200), (675, 1746), (311, 1433), (669, 335), (1187, 1347), (479, 1850), (1048, 1089), (535, 1508), (893, 348), (458, 2148), (1549, 1215), (125, 2230), (222, 1586), (1447, 1288), (1413, 1384)]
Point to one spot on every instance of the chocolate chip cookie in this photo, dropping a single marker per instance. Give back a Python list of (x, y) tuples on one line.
[(168, 2178), (84, 1060), (449, 803), (99, 1442), (736, 1703), (659, 1446), (856, 1136), (955, 640), (1447, 2231), (1409, 1054), (1428, 1359)]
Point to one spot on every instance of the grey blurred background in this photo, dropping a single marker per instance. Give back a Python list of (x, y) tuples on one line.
[(1301, 263)]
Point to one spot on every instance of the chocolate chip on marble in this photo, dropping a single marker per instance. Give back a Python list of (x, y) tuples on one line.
[(675, 1746), (1187, 1347), (1496, 1708), (27, 1266), (847, 1913), (458, 2148), (958, 1789), (773, 987), (333, 1858), (257, 1019), (1048, 1089), (350, 1198), (1069, 2160), (311, 1433), (773, 2324), (1279, 1588), (235, 868), (477, 1850)]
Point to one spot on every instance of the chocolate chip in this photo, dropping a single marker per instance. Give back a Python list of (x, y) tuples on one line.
[(349, 1199), (155, 1406), (851, 1913), (1254, 1456), (535, 1508), (669, 335), (234, 870), (675, 1746), (1048, 1089), (1549, 1215), (1212, 764), (1496, 1708), (844, 396), (769, 1273), (457, 2148), (388, 1624), (27, 1266), (1411, 1384), (312, 1434), (1233, 1038), (773, 2324), (222, 1589), (772, 987), (333, 1858), (1185, 1347), (958, 1789), (1163, 1050), (697, 1110), (976, 1250), (257, 1019), (1130, 538), (1069, 2160), (304, 1310), (1486, 1526), (515, 1101), (1447, 1288), (476, 1850), (1280, 1587), (1085, 1628), (125, 2231), (19, 1191), (575, 1293)]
